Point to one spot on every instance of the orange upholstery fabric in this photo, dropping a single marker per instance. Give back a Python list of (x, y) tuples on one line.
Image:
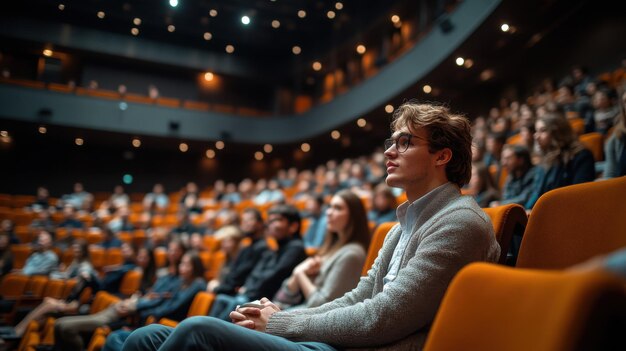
[(490, 307), (130, 283), (595, 143), (572, 224), (377, 242), (507, 220), (13, 285)]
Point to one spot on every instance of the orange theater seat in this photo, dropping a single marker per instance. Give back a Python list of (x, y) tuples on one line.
[(507, 221), (376, 244)]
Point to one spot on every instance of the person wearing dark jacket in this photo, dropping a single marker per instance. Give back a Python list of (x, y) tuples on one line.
[(273, 267)]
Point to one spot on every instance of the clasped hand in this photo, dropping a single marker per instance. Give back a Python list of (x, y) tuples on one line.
[(254, 318)]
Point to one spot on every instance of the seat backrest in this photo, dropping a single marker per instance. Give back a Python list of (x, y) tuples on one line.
[(13, 285), (491, 307), (36, 285), (377, 242), (113, 256), (572, 224), (54, 289), (201, 304), (20, 254), (101, 301), (507, 220), (595, 143), (131, 282)]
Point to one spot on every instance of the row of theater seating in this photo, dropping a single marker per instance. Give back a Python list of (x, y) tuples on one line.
[(534, 305)]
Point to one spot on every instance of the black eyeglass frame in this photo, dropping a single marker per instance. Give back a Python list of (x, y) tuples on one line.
[(391, 141)]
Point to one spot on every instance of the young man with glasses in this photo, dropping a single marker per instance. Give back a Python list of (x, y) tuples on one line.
[(439, 232)]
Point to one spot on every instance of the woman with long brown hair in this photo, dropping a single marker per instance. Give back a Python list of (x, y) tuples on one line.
[(615, 148), (337, 266)]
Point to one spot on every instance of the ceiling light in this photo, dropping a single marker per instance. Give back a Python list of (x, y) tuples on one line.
[(317, 66), (43, 130), (219, 145), (207, 36), (305, 147), (330, 14), (487, 74), (468, 63), (183, 147), (137, 21), (275, 23), (245, 20), (213, 13), (173, 3), (301, 13), (208, 76), (79, 141), (460, 61), (136, 142), (338, 6), (296, 50), (230, 49), (360, 49), (210, 153), (4, 134), (335, 134), (505, 27), (389, 108), (61, 7), (258, 155), (268, 148), (171, 28), (100, 14), (361, 122), (427, 89), (395, 18), (134, 31), (47, 52)]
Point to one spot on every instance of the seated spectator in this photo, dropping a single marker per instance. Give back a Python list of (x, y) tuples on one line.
[(156, 201), (79, 267), (229, 237), (482, 186), (273, 194), (331, 184), (67, 330), (185, 228), (69, 219), (43, 222), (121, 221), (6, 256), (231, 194), (521, 176), (273, 267), (605, 112), (336, 268), (246, 189), (493, 148), (118, 199), (564, 160), (253, 228), (383, 205), (303, 190), (113, 274), (43, 260), (110, 240), (190, 199), (80, 199), (8, 227), (615, 148), (42, 200), (314, 211)]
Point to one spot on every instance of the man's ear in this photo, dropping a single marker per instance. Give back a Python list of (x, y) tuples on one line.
[(443, 156)]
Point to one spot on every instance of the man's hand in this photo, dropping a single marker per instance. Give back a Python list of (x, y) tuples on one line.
[(254, 318)]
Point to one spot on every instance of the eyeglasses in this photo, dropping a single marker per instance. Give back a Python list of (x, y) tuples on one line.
[(402, 142)]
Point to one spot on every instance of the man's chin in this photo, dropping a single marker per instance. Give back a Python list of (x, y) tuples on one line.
[(392, 181)]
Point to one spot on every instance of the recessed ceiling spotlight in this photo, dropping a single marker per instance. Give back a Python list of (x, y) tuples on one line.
[(134, 31), (219, 145), (301, 13), (183, 147), (460, 61), (213, 13), (505, 27), (136, 142), (207, 36), (210, 153), (137, 21), (275, 23), (335, 134), (361, 122), (245, 20), (395, 18), (338, 6), (173, 3), (427, 89), (79, 141), (171, 28), (230, 49), (468, 63), (47, 52), (360, 49), (268, 148), (43, 130), (208, 76), (330, 14), (296, 50), (61, 7), (101, 14), (258, 156), (305, 147), (317, 66), (389, 108)]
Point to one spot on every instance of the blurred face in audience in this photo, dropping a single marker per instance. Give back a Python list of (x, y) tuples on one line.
[(278, 227), (143, 258), (229, 245), (509, 161), (249, 223), (185, 268), (337, 215), (78, 188), (174, 251), (4, 241), (127, 252), (542, 136), (44, 240)]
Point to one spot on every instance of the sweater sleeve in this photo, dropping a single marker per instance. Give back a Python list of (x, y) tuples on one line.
[(176, 307), (583, 167), (407, 304), (610, 153), (342, 276)]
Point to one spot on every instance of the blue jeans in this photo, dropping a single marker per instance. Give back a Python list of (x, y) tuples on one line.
[(207, 333), (224, 304), (115, 340)]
